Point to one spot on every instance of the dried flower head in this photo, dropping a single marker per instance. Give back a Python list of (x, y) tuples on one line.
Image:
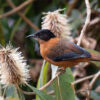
[(13, 68), (57, 23)]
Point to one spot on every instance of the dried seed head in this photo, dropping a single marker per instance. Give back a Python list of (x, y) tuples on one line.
[(13, 68), (57, 23)]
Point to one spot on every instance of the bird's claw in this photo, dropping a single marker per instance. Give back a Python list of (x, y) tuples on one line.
[(62, 70)]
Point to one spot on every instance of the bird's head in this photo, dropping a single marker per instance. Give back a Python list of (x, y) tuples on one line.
[(44, 35)]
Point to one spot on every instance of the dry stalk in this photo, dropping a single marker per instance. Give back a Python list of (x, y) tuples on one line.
[(16, 9), (23, 17), (86, 22)]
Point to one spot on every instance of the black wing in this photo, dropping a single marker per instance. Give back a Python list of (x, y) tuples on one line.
[(63, 51)]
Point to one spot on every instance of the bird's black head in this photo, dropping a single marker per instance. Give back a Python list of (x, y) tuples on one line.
[(44, 34)]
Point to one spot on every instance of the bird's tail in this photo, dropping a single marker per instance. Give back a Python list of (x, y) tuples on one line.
[(95, 57)]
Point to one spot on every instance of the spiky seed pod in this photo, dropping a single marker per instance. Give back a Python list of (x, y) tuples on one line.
[(13, 68), (57, 23)]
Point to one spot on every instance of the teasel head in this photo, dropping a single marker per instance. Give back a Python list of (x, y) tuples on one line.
[(57, 23), (13, 67)]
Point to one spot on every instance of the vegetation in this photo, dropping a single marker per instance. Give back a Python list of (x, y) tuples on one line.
[(19, 18)]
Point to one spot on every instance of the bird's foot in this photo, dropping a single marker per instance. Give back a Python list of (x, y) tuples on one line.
[(62, 70)]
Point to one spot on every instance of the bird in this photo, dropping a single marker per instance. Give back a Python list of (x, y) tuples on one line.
[(61, 52)]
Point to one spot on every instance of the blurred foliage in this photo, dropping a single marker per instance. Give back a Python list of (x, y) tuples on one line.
[(14, 29)]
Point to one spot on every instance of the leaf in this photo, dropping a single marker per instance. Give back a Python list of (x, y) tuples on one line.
[(42, 95), (11, 92), (62, 86), (43, 76), (97, 63)]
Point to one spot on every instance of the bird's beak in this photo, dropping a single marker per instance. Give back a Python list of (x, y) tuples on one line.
[(32, 35)]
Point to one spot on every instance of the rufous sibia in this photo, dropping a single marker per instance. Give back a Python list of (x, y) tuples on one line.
[(60, 52)]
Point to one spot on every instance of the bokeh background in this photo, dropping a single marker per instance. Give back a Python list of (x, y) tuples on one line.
[(14, 29)]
